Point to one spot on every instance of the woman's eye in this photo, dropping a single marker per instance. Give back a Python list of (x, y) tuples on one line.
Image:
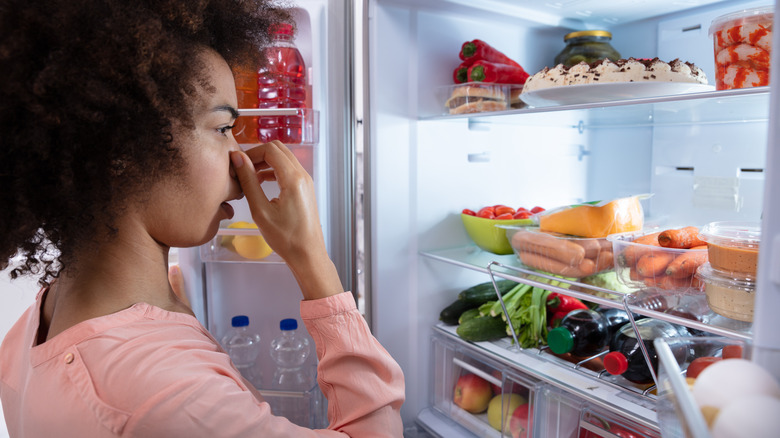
[(224, 130)]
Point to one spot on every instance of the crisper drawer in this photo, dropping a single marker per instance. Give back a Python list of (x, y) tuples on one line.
[(483, 396), (561, 414)]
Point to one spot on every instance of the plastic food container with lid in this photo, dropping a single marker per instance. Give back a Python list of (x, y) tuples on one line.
[(733, 247), (730, 297), (742, 43)]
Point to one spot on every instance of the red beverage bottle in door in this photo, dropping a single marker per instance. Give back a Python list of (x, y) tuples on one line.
[(282, 84)]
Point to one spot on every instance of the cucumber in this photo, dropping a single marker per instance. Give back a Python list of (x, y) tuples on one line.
[(469, 314), (484, 292), (482, 328), (450, 314)]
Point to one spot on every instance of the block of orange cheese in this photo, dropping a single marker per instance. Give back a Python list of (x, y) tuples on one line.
[(599, 220)]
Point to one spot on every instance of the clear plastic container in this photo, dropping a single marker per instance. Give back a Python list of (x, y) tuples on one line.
[(477, 97), (289, 350), (742, 47), (243, 347), (560, 254), (656, 270), (733, 247), (730, 297)]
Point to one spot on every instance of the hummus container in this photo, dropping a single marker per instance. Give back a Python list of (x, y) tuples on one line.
[(733, 247), (742, 43), (726, 296)]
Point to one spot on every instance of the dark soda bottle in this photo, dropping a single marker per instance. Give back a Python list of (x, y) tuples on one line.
[(282, 84), (625, 355), (585, 332)]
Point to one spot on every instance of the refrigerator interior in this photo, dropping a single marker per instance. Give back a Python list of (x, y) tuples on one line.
[(701, 160)]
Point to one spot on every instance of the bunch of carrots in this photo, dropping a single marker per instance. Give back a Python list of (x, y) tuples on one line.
[(651, 264), (480, 62)]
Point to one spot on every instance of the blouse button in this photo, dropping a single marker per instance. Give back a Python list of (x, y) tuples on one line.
[(69, 358)]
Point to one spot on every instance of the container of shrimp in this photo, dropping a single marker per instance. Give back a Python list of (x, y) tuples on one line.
[(743, 43), (640, 264)]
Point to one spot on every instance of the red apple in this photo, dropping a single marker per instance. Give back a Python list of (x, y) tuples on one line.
[(472, 393), (699, 364), (521, 420)]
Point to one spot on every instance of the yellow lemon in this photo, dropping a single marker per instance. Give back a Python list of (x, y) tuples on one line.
[(249, 247)]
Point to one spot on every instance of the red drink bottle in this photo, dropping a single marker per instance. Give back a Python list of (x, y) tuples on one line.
[(282, 84)]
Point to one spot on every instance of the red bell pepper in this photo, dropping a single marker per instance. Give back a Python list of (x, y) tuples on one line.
[(555, 319), (461, 73), (563, 303), (486, 71), (479, 50)]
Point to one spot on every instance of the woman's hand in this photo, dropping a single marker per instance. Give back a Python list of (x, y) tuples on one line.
[(289, 223)]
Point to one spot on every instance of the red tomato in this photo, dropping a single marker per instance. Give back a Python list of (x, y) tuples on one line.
[(699, 364), (732, 352), (501, 209), (536, 209), (504, 216), (468, 212), (497, 206), (522, 214), (488, 214), (521, 209), (486, 210)]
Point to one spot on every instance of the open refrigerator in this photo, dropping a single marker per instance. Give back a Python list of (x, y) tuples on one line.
[(393, 172)]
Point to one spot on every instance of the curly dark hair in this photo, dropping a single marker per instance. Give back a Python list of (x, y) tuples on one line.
[(88, 93)]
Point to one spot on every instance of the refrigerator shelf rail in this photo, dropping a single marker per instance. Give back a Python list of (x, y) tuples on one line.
[(641, 302)]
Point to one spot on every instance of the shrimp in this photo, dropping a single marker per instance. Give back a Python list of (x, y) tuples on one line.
[(755, 34), (736, 76), (743, 55)]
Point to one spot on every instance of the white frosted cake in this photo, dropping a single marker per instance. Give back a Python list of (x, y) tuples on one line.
[(623, 70)]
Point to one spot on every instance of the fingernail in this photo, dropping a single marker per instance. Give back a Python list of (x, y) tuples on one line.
[(237, 159)]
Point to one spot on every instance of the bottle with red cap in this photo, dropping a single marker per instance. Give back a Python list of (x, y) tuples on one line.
[(585, 332), (282, 84), (625, 355)]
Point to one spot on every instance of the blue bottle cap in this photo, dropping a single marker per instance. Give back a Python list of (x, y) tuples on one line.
[(240, 321), (288, 324)]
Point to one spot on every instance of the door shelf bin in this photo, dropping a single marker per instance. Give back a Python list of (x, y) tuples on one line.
[(452, 361)]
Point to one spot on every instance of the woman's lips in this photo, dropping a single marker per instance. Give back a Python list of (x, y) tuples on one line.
[(228, 209)]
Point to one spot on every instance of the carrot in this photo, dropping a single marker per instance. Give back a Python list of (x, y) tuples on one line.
[(670, 283), (633, 252), (686, 264), (682, 238), (536, 261), (654, 263), (546, 245)]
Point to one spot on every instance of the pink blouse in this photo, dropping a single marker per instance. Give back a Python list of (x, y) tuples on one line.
[(147, 372)]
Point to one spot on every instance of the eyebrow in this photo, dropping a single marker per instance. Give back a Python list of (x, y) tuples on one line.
[(233, 112)]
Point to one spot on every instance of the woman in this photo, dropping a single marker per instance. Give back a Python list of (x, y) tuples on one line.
[(119, 148)]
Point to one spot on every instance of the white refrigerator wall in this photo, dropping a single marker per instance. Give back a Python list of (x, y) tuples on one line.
[(424, 172)]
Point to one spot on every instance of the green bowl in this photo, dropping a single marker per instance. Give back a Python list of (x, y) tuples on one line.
[(488, 236)]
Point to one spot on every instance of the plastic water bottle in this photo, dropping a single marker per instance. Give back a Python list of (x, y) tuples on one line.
[(282, 84), (243, 346), (290, 350)]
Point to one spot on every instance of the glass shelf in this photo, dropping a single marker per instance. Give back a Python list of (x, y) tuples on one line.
[(712, 107), (683, 307)]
